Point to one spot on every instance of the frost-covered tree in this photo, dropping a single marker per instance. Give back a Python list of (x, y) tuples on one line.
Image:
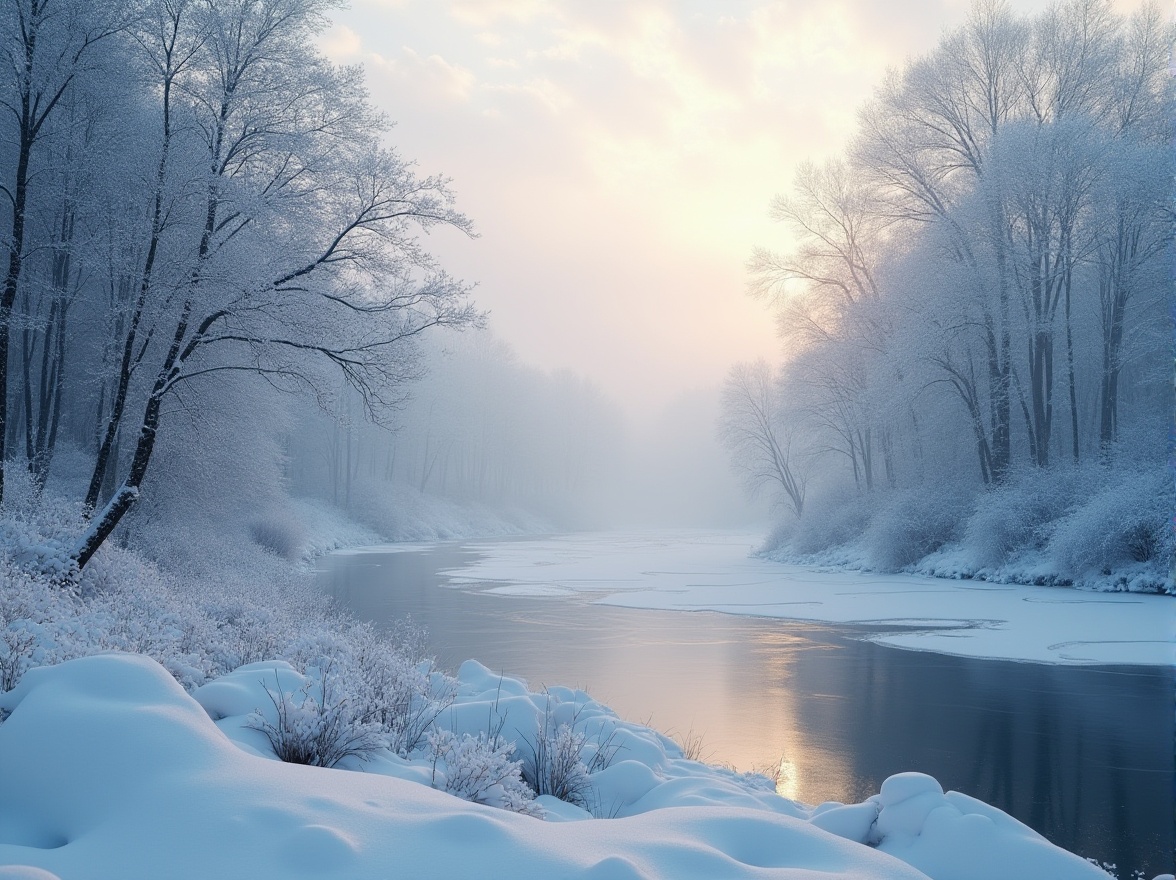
[(984, 274), (47, 47), (194, 193), (754, 428)]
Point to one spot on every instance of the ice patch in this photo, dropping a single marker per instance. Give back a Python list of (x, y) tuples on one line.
[(530, 590), (663, 570)]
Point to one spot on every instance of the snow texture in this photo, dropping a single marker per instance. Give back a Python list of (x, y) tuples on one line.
[(111, 769)]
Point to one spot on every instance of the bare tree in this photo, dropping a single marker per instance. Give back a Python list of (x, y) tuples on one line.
[(760, 441), (824, 290)]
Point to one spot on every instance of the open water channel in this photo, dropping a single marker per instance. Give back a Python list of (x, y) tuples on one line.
[(1083, 754)]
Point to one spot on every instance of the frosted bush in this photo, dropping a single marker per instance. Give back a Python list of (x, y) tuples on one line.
[(232, 604), (560, 759), (1004, 521), (318, 729), (481, 769), (397, 688), (19, 645), (554, 765), (1020, 515), (1124, 526), (48, 558), (909, 525), (828, 522)]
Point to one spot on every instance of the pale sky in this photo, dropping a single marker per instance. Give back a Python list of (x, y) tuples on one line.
[(618, 157)]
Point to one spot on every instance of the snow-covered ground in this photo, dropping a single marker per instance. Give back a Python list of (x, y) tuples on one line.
[(159, 763), (715, 571), (112, 770)]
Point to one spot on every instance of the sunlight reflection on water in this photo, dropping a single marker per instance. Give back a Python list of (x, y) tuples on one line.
[(1082, 754)]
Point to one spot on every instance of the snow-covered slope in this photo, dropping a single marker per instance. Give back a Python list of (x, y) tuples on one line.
[(109, 769)]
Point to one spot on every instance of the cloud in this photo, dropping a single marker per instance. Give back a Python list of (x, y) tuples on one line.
[(342, 44), (431, 77), (483, 13), (619, 155)]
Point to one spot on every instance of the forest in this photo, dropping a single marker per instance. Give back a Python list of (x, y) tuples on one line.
[(974, 308), (217, 292)]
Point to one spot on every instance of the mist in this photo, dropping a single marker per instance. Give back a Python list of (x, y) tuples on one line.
[(543, 448)]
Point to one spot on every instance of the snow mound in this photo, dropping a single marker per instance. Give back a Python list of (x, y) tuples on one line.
[(109, 769), (950, 836)]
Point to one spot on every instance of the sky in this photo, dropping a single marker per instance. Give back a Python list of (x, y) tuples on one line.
[(618, 156)]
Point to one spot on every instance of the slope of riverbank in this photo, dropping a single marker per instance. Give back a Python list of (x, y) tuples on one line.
[(159, 759)]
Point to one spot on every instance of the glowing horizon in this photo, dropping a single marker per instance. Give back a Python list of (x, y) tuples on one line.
[(618, 158)]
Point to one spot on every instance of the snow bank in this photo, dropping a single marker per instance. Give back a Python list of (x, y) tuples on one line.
[(110, 769), (949, 836), (617, 768)]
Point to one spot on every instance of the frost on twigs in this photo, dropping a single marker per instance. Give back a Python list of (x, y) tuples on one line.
[(317, 729), (560, 759), (480, 769), (397, 690)]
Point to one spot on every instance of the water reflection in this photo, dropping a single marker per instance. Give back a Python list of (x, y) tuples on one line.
[(1082, 754)]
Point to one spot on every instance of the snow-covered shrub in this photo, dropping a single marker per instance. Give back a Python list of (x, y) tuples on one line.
[(18, 645), (280, 534), (1019, 515), (560, 759), (552, 765), (829, 521), (908, 525), (316, 729), (481, 769), (38, 530), (396, 687), (1124, 526)]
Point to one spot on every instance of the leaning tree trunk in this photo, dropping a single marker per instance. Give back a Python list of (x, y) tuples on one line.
[(127, 494)]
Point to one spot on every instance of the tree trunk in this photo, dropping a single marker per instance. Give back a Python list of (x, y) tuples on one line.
[(1074, 449), (12, 277), (114, 422), (128, 493), (123, 499)]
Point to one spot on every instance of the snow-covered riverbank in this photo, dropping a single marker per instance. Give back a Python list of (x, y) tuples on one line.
[(111, 769), (155, 763), (714, 571)]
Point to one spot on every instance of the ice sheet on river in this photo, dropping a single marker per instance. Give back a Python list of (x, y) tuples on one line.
[(714, 571)]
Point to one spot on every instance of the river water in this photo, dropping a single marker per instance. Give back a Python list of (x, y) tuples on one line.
[(1082, 754)]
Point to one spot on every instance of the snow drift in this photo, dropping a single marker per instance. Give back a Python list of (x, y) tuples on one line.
[(108, 768)]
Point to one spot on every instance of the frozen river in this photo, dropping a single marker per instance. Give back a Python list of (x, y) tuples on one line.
[(1081, 753)]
